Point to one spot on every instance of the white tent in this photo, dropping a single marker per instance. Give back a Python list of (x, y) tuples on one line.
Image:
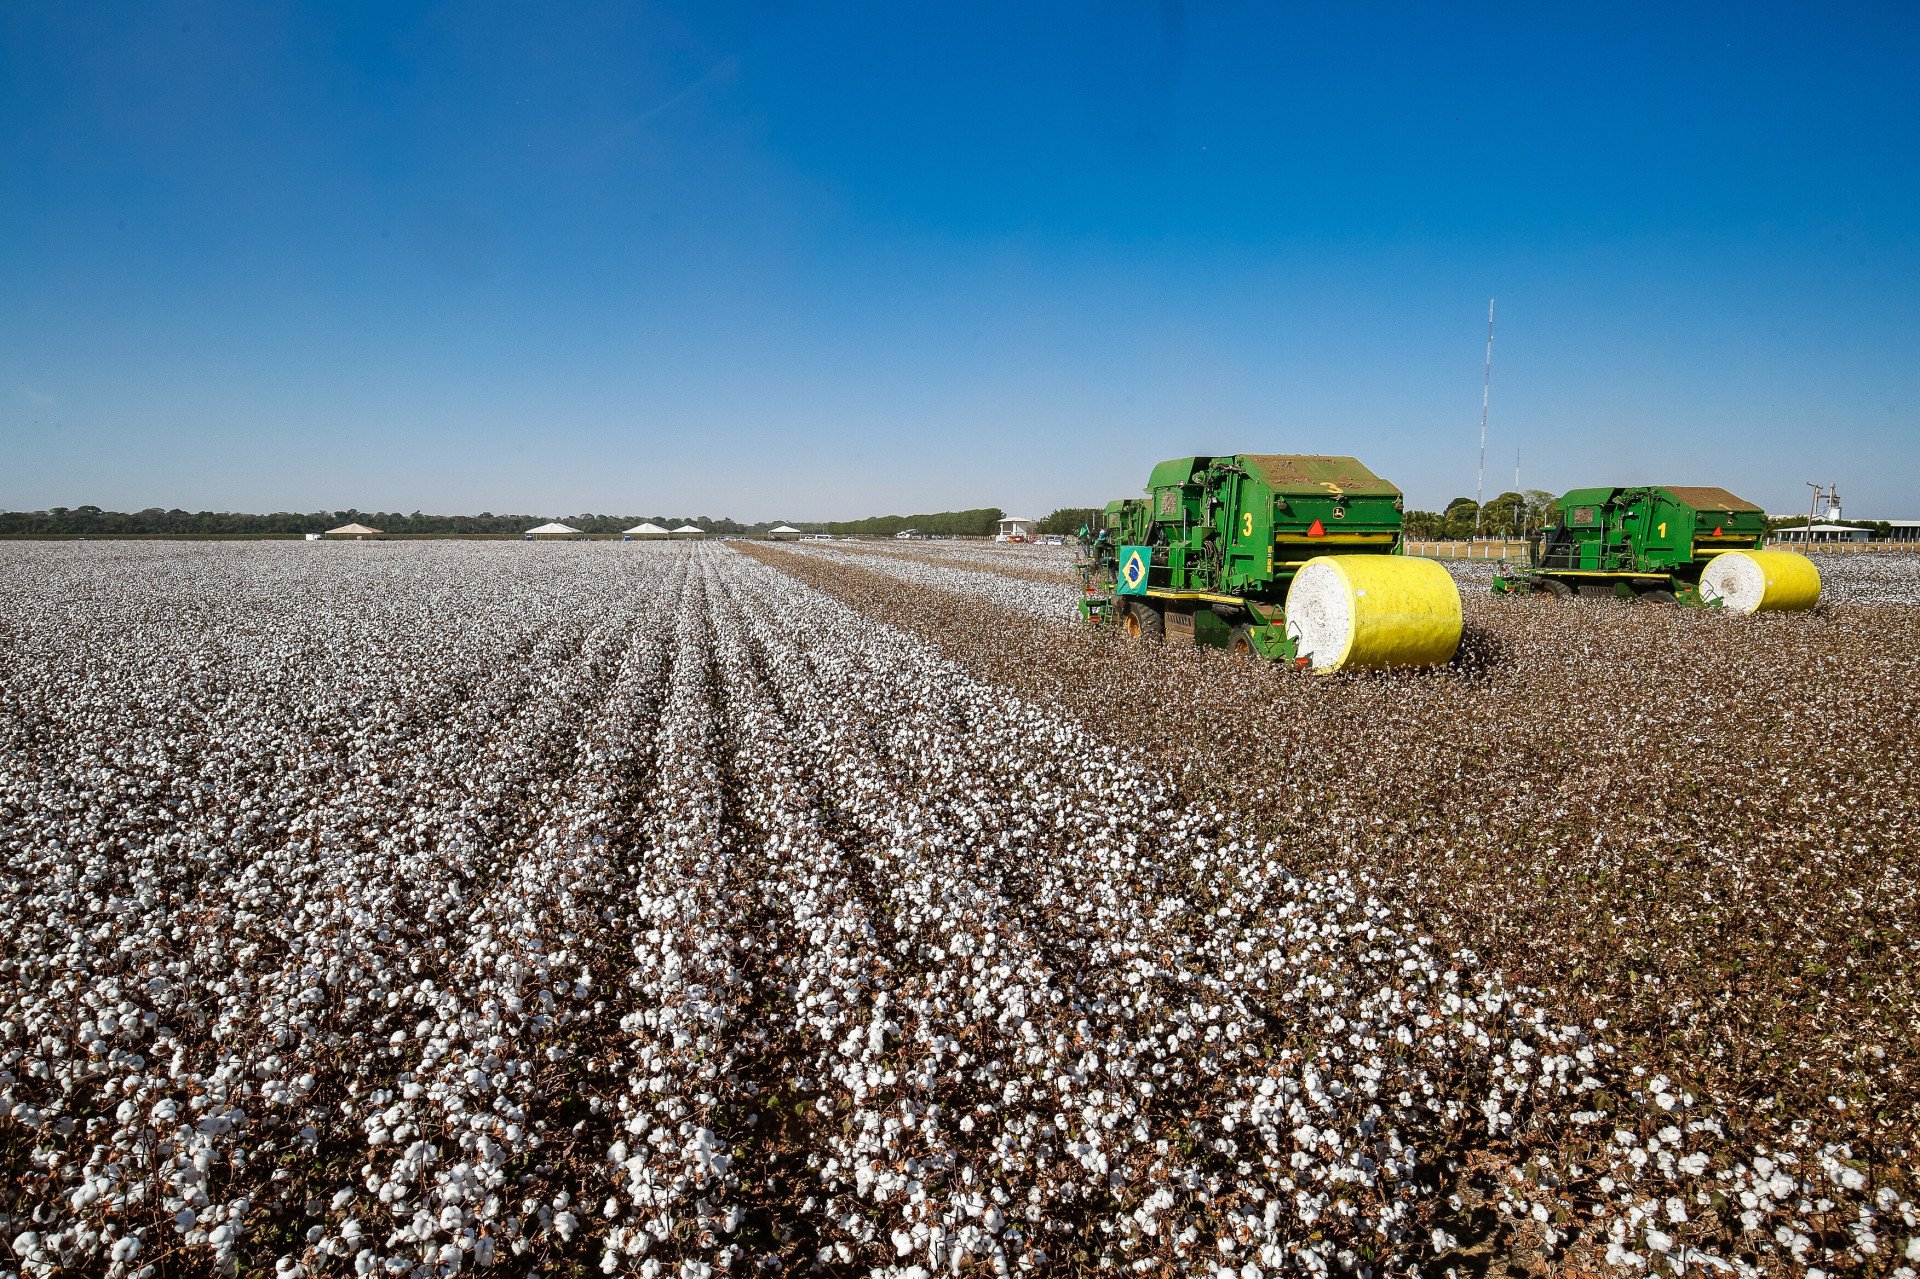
[(552, 530), (782, 531), (648, 529), (353, 530), (693, 529)]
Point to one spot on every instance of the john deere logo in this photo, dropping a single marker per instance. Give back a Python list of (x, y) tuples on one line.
[(1133, 569)]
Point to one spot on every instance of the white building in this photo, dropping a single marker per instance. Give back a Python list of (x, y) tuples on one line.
[(1817, 533), (1015, 528)]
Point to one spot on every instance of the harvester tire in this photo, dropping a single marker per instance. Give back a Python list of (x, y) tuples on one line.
[(1240, 642), (1659, 595), (1143, 622), (1556, 588)]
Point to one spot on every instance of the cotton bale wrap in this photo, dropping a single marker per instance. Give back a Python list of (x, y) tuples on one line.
[(1367, 612), (1761, 581)]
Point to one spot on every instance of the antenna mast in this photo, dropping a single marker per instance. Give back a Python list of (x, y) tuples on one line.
[(1486, 394)]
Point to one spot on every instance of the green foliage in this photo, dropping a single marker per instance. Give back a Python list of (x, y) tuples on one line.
[(1070, 520), (1459, 518), (155, 522), (983, 522), (1424, 526), (1508, 515)]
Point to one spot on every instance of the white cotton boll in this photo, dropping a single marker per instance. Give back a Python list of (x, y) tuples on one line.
[(565, 1224), (184, 1219)]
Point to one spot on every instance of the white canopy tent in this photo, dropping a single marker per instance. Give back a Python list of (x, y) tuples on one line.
[(553, 530), (353, 530), (782, 532), (649, 529), (1012, 526), (688, 529)]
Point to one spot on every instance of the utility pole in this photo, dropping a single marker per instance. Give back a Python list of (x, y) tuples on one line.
[(1486, 394), (1830, 494)]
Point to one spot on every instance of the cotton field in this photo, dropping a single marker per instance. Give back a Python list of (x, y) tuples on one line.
[(404, 909)]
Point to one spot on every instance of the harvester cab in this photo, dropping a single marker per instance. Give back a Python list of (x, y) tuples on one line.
[(1290, 557), (1693, 545)]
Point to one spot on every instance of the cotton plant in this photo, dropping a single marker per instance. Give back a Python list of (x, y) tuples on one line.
[(644, 910)]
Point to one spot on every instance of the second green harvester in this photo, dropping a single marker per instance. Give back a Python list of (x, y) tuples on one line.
[(1292, 557), (1670, 543)]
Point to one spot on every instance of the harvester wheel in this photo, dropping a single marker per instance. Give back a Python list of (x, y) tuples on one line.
[(1240, 642), (1143, 622), (1659, 595), (1556, 588)]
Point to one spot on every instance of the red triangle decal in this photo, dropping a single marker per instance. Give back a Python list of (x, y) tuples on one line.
[(1316, 529)]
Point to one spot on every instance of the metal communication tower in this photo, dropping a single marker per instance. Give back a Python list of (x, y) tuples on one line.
[(1486, 394)]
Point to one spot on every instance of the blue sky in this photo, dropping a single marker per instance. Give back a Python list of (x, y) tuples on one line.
[(794, 261)]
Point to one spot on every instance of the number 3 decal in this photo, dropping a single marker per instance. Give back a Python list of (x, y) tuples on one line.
[(1246, 524)]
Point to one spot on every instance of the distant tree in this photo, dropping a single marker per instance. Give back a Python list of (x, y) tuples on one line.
[(1424, 525), (1539, 506), (1459, 518), (1070, 520), (1504, 516), (980, 522)]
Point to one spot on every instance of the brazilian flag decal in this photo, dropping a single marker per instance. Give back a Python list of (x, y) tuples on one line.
[(1132, 574)]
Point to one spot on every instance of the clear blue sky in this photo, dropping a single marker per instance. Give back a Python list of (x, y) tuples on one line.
[(804, 261)]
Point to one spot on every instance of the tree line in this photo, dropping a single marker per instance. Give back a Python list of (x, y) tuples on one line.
[(155, 521), (982, 521)]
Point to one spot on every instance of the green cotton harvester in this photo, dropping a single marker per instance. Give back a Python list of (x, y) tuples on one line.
[(1290, 557), (1667, 543)]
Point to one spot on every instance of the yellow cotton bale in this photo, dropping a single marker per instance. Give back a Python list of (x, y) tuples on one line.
[(1761, 581), (1367, 612)]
